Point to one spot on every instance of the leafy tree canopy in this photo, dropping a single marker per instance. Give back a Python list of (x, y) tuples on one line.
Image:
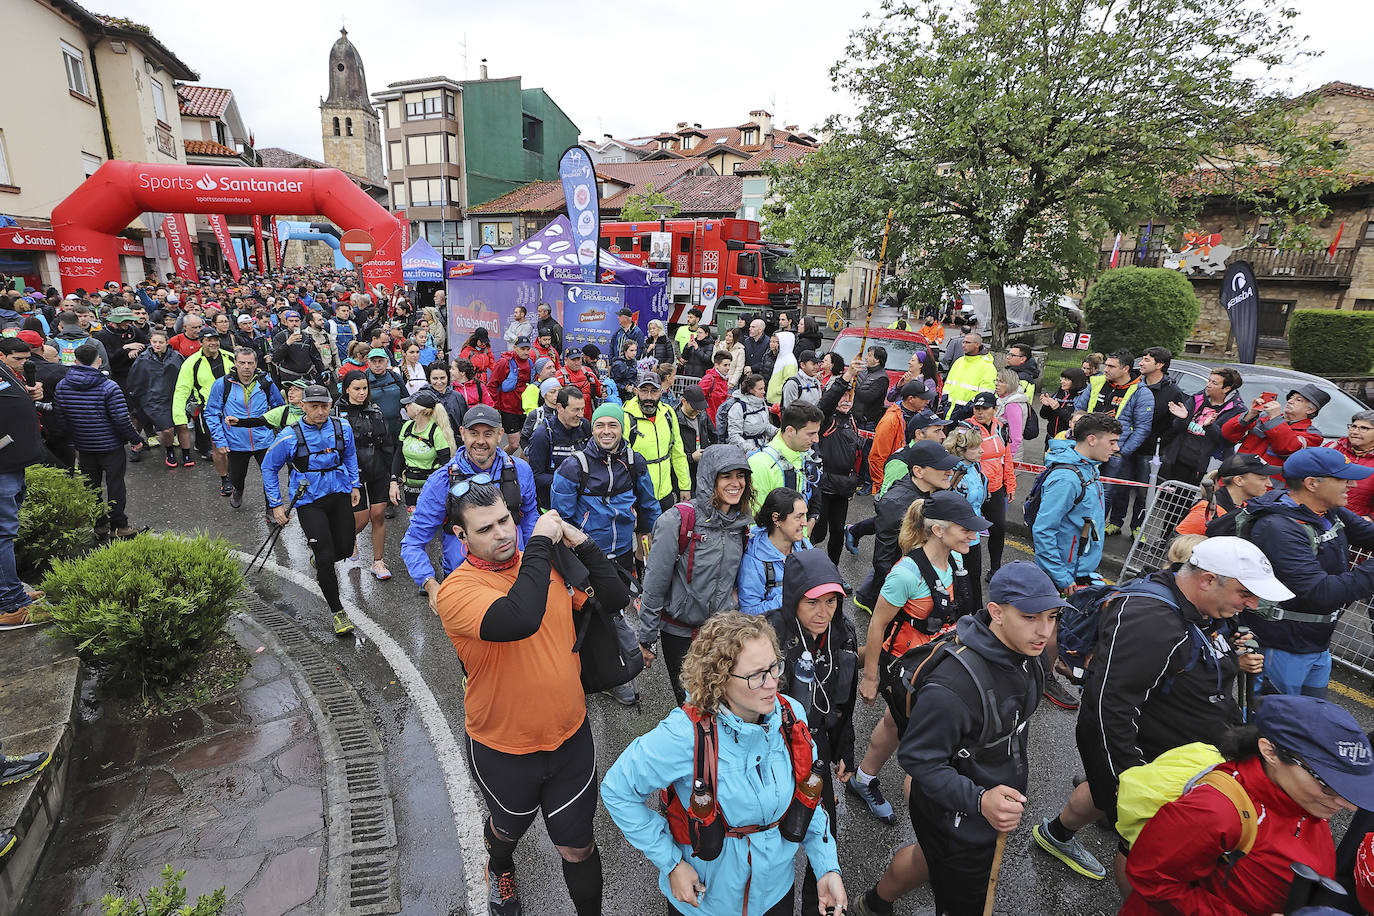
[(640, 207)]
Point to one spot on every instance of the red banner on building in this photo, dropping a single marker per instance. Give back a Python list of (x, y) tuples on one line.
[(220, 228), (179, 247), (405, 230), (20, 239), (257, 239)]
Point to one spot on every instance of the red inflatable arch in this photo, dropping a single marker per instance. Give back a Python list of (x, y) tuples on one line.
[(86, 222)]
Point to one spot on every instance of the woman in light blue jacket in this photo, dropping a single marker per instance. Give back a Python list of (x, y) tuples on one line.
[(970, 482), (731, 675), (781, 529)]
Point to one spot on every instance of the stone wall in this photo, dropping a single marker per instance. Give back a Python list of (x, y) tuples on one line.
[(1353, 115)]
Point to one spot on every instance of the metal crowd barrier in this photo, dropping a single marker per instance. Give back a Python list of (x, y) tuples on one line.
[(1352, 645), (682, 382)]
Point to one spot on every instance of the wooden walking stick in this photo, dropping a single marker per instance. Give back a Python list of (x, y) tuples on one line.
[(873, 294), (996, 870)]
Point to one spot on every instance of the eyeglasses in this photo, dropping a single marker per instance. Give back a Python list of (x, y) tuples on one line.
[(460, 489), (759, 678), (1310, 772), (1361, 427)]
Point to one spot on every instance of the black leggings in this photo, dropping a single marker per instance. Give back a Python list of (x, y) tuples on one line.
[(674, 651), (238, 467), (973, 565), (328, 526), (834, 511), (995, 511)]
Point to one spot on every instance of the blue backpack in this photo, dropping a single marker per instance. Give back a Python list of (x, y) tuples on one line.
[(1031, 508)]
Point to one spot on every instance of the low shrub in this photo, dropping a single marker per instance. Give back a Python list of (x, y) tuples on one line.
[(1135, 308), (143, 611), (1311, 333), (57, 520), (167, 899)]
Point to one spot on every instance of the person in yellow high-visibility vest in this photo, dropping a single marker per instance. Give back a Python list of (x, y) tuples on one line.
[(1115, 392), (971, 373)]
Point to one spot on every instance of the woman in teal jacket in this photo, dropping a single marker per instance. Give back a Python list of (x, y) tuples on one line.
[(781, 529), (731, 675)]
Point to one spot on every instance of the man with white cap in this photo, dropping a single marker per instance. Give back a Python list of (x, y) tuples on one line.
[(1163, 675)]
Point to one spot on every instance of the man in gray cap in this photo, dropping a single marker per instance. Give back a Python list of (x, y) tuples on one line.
[(1275, 430)]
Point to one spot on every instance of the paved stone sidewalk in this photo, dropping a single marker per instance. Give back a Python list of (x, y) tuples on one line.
[(231, 791)]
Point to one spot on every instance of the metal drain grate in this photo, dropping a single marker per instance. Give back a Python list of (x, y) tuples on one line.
[(361, 876)]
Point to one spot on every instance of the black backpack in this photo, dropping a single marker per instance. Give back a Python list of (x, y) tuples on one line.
[(300, 460), (1032, 506)]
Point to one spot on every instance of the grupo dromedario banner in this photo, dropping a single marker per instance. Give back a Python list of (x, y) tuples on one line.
[(86, 222)]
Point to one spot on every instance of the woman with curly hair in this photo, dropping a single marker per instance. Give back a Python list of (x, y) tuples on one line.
[(731, 674)]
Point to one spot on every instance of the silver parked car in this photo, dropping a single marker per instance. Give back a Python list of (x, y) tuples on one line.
[(1191, 377)]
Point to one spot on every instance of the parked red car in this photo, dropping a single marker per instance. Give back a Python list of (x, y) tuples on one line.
[(900, 346)]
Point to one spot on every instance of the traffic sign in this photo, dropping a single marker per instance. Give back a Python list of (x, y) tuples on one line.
[(357, 246)]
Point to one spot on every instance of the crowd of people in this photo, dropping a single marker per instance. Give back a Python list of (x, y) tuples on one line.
[(692, 491)]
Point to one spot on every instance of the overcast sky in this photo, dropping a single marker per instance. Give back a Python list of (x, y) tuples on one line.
[(646, 67)]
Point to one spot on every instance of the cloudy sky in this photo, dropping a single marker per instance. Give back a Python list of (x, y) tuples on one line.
[(644, 68)]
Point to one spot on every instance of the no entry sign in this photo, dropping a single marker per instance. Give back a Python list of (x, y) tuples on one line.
[(357, 246)]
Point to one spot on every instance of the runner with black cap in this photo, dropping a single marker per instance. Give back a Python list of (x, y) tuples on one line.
[(324, 486), (971, 698)]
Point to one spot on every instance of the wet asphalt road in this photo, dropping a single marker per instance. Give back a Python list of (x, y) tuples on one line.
[(432, 875)]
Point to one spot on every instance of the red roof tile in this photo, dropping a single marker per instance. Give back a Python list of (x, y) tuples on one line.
[(780, 152), (536, 197), (207, 148), (203, 101), (1339, 88)]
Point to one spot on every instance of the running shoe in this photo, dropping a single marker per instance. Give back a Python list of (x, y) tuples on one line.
[(1071, 853), (849, 543), (380, 572), (129, 532), (187, 459), (624, 694), (342, 625), (171, 459), (235, 498), (861, 606), (872, 796), (6, 842), (19, 768), (135, 455), (226, 488), (502, 897), (1058, 694), (1112, 529)]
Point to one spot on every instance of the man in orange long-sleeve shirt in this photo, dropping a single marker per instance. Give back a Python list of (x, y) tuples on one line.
[(891, 432)]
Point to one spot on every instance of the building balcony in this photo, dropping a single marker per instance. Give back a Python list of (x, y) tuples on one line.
[(1268, 263)]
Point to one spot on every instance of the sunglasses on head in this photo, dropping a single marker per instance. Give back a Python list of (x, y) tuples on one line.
[(461, 488)]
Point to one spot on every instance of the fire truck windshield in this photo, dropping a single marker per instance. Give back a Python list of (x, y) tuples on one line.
[(775, 270)]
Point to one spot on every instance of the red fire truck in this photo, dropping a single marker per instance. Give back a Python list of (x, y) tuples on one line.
[(712, 264)]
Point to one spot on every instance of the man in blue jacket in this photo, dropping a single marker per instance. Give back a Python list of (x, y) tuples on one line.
[(479, 455), (234, 411), (1121, 392), (96, 417), (324, 487), (1306, 532), (556, 438)]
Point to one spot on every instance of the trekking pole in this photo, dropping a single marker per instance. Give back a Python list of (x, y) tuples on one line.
[(873, 293), (275, 534), (996, 870), (1246, 682)]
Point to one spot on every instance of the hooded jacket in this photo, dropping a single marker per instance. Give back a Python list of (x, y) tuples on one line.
[(509, 377), (829, 700), (1141, 698), (746, 418), (947, 718), (1273, 439), (615, 501), (152, 379), (839, 444), (1136, 411), (658, 440), (751, 583), (551, 443), (758, 791), (1280, 529), (245, 402), (93, 410), (716, 387), (672, 603), (1068, 530), (784, 367), (1015, 419)]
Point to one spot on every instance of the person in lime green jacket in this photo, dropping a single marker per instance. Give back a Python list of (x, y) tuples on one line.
[(788, 460), (544, 368), (971, 373), (197, 374), (784, 368), (654, 434)]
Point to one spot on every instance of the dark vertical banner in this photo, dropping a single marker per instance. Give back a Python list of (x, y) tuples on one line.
[(1240, 298), (584, 207)]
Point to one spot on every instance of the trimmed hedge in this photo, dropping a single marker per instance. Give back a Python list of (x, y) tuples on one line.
[(144, 611), (1326, 342), (1135, 308), (57, 520)]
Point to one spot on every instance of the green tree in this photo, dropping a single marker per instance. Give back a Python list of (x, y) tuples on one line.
[(1010, 136), (639, 208), (1134, 308)]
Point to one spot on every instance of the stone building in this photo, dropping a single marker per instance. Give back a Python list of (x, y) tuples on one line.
[(1288, 279), (348, 124)]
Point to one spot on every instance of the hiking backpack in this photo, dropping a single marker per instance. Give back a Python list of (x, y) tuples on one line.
[(300, 458), (1146, 788), (1244, 518), (1032, 505)]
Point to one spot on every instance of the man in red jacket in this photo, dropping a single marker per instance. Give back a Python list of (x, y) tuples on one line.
[(1276, 430), (584, 380), (512, 372), (715, 384)]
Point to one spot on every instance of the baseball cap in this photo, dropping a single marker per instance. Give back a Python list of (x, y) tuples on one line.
[(289, 313), (915, 389), (626, 312), (1239, 559), (1312, 394), (423, 398), (825, 588), (32, 338), (1324, 737), (946, 506), (1024, 586), (298, 383), (1323, 462), (245, 319), (572, 353), (481, 415), (922, 419), (120, 314), (807, 356), (983, 399), (522, 341), (317, 394), (378, 352), (1247, 463), (694, 397), (208, 334), (927, 454), (649, 380)]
